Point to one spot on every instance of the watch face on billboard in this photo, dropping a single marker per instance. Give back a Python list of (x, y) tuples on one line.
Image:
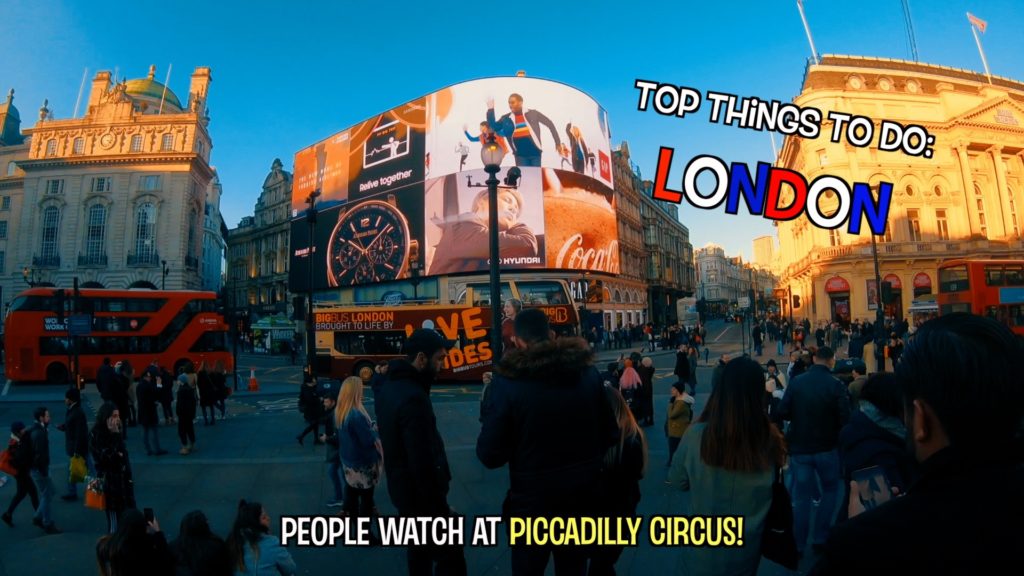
[(366, 241), (537, 122), (457, 221)]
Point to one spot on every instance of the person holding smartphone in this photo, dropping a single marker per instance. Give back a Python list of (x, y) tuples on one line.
[(138, 547), (963, 403)]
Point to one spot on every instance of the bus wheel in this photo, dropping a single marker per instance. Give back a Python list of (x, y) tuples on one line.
[(56, 373), (364, 370)]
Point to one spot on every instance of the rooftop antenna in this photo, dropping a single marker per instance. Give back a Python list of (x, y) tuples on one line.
[(164, 95), (910, 30), (81, 87)]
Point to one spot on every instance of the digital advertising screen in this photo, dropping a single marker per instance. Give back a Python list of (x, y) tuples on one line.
[(557, 208)]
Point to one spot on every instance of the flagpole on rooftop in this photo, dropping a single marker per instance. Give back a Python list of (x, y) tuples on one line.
[(975, 24), (807, 29)]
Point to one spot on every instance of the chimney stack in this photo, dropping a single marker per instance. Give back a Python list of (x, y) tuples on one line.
[(100, 85)]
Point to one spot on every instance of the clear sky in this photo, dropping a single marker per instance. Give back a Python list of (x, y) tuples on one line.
[(286, 75)]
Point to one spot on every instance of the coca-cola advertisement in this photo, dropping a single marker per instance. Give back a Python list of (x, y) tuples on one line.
[(581, 231)]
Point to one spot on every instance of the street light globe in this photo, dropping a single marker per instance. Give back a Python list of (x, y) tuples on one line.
[(492, 153)]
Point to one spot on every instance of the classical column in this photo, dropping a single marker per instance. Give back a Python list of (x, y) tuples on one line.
[(1002, 193), (968, 183)]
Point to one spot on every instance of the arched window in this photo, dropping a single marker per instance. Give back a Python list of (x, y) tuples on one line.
[(136, 143), (96, 232), (11, 167), (167, 142), (51, 232), (145, 233), (79, 146), (979, 200), (51, 147)]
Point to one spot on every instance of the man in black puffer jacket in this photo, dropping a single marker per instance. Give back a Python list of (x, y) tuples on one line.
[(546, 415)]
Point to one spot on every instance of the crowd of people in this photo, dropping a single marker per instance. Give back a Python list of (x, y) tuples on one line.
[(860, 498)]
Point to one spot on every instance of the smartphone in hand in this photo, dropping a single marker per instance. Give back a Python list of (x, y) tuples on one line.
[(873, 487), (148, 514)]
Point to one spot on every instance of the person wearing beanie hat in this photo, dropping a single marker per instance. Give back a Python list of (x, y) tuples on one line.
[(76, 436), (464, 240), (20, 461)]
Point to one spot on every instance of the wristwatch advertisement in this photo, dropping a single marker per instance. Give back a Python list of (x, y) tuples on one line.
[(371, 242)]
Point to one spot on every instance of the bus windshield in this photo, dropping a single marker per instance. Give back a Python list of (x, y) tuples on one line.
[(953, 279)]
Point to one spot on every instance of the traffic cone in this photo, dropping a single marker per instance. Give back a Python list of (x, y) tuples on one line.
[(254, 386)]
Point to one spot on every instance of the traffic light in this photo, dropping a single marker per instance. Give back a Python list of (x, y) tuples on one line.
[(796, 301), (60, 304), (887, 292)]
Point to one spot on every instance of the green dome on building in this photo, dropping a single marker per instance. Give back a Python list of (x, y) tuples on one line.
[(151, 90)]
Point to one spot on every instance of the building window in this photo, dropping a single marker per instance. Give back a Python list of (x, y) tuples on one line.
[(833, 238), (51, 147), (167, 142), (3, 261), (101, 184), (980, 203), (190, 250), (96, 232), (136, 143), (51, 229), (55, 186), (11, 167), (938, 191), (914, 225), (145, 232), (941, 224), (3, 229), (1013, 212), (79, 146), (910, 190), (150, 182), (5, 203)]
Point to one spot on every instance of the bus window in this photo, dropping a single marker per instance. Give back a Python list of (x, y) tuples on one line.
[(482, 293), (1014, 275), (32, 304), (953, 279), (541, 293), (959, 307), (211, 342), (993, 276)]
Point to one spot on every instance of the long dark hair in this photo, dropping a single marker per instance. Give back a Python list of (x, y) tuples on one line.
[(194, 537), (100, 432), (738, 435), (129, 538), (627, 428), (247, 530)]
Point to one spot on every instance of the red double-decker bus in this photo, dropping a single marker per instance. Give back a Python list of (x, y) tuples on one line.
[(140, 326), (993, 288)]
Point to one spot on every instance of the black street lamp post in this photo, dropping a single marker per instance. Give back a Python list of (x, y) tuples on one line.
[(166, 271), (31, 276), (492, 154), (310, 327), (879, 312)]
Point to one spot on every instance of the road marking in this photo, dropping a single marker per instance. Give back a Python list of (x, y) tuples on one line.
[(722, 334), (7, 387)]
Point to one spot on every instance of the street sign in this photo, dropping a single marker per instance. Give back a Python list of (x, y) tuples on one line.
[(80, 325), (744, 302)]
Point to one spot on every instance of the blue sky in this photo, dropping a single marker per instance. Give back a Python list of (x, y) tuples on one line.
[(288, 74)]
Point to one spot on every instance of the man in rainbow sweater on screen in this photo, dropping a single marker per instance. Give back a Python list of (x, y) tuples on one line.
[(521, 128)]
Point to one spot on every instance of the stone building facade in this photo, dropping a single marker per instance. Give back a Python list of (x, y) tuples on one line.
[(964, 202), (117, 197), (258, 250)]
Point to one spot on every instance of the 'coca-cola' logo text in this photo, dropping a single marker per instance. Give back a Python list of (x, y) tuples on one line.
[(573, 254)]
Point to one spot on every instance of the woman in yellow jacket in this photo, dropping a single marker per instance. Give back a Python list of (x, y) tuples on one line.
[(680, 412)]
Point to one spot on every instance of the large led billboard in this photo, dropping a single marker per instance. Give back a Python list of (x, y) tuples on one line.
[(405, 190)]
